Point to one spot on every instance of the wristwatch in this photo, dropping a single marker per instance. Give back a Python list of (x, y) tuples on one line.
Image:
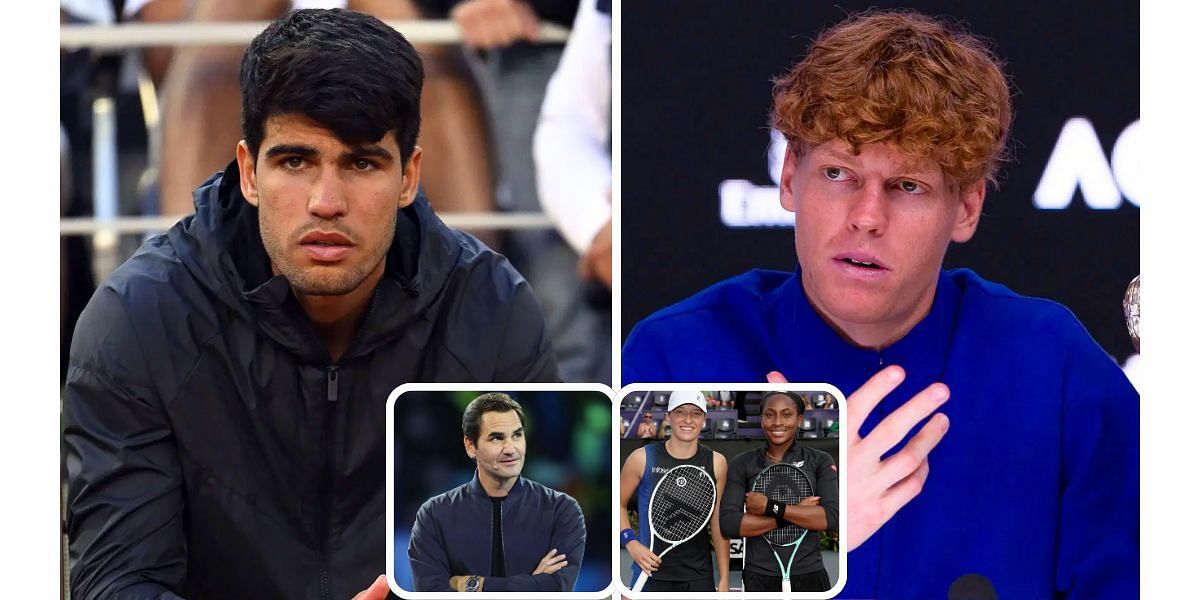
[(473, 583)]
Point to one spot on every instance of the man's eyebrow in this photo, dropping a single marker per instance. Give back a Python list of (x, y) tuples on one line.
[(367, 151), (292, 149), (840, 155), (496, 434)]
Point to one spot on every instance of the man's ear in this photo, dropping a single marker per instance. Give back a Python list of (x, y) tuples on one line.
[(469, 446), (249, 181), (786, 199), (970, 207), (412, 178)]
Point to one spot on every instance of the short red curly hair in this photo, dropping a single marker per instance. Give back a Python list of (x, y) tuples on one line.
[(929, 88)]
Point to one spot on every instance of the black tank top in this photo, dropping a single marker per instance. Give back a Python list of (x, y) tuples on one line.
[(692, 560)]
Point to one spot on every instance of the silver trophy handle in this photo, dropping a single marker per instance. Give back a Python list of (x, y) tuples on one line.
[(1133, 311)]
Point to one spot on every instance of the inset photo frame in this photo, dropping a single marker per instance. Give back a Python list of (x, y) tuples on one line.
[(756, 469), (501, 490)]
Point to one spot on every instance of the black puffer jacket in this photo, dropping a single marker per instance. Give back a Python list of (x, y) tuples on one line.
[(213, 448)]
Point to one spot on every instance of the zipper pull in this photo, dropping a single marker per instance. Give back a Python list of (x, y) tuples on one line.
[(331, 384)]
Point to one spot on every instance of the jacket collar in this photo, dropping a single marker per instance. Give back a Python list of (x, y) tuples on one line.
[(476, 488), (792, 455), (823, 355)]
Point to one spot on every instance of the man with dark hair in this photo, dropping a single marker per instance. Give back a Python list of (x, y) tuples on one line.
[(536, 535), (895, 123), (222, 431)]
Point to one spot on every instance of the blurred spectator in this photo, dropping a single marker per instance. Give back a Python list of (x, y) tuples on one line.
[(572, 145), (516, 74), (574, 182), (727, 399), (98, 12), (647, 429), (77, 69), (806, 402)]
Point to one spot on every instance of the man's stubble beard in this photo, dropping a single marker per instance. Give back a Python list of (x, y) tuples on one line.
[(335, 280)]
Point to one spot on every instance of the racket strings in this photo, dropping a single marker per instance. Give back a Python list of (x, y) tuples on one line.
[(682, 505), (787, 485)]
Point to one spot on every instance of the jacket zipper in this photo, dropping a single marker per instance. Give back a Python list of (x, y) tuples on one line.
[(325, 488), (503, 550), (331, 385), (325, 491)]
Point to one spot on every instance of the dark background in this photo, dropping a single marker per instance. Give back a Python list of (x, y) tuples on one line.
[(696, 98), (568, 447)]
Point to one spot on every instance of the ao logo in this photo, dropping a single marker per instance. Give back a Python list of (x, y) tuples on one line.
[(1078, 161)]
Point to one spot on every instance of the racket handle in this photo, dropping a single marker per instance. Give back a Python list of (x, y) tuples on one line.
[(787, 586), (641, 582)]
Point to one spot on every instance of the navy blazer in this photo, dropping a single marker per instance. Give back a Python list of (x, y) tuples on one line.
[(452, 536)]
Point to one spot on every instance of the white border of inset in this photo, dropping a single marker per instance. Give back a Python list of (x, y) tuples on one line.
[(391, 465), (733, 387)]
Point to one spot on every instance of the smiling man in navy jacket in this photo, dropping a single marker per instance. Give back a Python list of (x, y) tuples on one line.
[(895, 123), (536, 534)]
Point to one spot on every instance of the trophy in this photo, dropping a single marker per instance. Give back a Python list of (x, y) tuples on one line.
[(1133, 311)]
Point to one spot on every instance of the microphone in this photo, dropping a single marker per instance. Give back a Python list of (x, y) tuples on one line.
[(972, 586)]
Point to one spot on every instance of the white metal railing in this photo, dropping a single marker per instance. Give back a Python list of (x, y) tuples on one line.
[(141, 35), (460, 220)]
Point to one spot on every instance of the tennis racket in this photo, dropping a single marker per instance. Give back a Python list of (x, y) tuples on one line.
[(680, 507), (786, 484)]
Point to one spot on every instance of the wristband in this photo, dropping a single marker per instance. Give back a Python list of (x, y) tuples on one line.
[(775, 509), (627, 535)]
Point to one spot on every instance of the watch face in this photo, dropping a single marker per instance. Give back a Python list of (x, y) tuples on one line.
[(473, 584)]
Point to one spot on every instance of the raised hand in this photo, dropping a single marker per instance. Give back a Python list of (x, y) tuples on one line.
[(878, 488)]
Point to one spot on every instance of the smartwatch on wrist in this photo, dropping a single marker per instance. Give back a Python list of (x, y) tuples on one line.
[(473, 583)]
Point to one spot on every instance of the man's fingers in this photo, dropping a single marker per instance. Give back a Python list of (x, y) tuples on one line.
[(900, 494), (551, 562), (867, 397), (914, 454), (377, 591), (896, 425), (557, 563), (776, 377)]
